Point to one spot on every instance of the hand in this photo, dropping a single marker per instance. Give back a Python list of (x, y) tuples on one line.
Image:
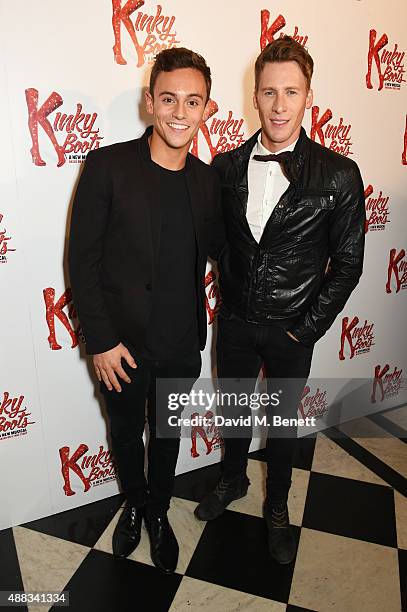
[(291, 336), (108, 364)]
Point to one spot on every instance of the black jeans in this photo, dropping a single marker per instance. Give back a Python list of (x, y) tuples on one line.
[(242, 349), (127, 416)]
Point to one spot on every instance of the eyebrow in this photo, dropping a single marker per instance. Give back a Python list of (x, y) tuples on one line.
[(171, 93), (288, 87)]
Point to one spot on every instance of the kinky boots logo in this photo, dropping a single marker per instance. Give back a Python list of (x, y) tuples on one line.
[(209, 434), (358, 338), (389, 63), (220, 133), (55, 310), (396, 271), (92, 469), (71, 135), (4, 243), (313, 404), (212, 296), (150, 33), (386, 384), (334, 135), (269, 30), (14, 417), (377, 210)]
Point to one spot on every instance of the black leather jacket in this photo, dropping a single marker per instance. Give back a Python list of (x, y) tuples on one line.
[(319, 219)]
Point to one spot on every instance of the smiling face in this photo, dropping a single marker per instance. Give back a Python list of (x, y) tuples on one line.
[(281, 99), (178, 105)]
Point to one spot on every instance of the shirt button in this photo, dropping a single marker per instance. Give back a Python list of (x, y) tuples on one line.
[(148, 286)]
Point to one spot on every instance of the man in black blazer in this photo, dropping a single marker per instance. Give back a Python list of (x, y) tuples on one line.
[(146, 215)]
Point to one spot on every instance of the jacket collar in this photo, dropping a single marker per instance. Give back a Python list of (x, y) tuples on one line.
[(145, 148), (241, 157)]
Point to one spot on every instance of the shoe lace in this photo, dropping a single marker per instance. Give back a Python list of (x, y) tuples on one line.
[(279, 518), (221, 487)]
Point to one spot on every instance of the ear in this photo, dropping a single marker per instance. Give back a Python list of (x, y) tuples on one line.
[(149, 100), (310, 99), (256, 106), (207, 110)]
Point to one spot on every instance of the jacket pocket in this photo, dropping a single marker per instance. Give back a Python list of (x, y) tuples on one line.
[(316, 198)]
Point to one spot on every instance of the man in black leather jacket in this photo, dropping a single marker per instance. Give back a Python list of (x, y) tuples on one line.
[(295, 229)]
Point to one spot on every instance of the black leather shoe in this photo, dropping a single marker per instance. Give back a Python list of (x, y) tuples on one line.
[(214, 503), (126, 535), (281, 540), (163, 543)]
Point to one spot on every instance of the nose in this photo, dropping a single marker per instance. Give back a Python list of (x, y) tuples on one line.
[(279, 104), (179, 110)]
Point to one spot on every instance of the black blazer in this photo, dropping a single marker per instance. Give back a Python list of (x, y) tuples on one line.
[(115, 238)]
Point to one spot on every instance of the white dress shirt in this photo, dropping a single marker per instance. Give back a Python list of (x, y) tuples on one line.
[(267, 183)]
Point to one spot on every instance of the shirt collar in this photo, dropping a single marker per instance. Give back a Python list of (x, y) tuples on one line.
[(260, 149)]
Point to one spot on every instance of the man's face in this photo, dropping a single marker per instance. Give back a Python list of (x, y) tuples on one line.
[(178, 106), (281, 100)]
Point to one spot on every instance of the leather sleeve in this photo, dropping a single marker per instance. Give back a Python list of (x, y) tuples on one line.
[(89, 222), (217, 237), (346, 250)]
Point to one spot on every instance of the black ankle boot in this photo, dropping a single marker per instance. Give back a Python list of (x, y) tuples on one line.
[(126, 535), (281, 540), (163, 543), (214, 503)]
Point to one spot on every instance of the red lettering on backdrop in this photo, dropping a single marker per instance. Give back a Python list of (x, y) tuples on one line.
[(4, 248), (404, 154), (378, 375), (12, 416), (395, 269), (337, 133), (204, 434), (317, 124), (267, 33), (368, 192), (373, 53), (122, 14), (71, 463), (346, 335), (53, 310), (312, 405), (389, 384), (158, 28), (377, 213), (213, 108), (39, 116), (212, 294)]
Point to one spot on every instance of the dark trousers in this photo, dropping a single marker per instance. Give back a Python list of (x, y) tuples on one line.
[(127, 416), (242, 349)]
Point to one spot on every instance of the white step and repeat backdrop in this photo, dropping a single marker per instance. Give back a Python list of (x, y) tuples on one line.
[(72, 78)]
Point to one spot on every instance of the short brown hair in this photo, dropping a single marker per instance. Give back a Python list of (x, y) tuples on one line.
[(179, 57), (285, 49)]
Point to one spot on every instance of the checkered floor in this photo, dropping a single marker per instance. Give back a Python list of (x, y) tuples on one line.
[(347, 505)]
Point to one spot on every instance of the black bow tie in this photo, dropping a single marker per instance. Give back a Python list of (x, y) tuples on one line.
[(284, 158)]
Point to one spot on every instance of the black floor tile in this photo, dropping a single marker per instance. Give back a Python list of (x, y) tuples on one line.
[(350, 508), (291, 608), (378, 467), (303, 456), (233, 553), (403, 578), (83, 525), (10, 575), (103, 584), (194, 485)]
